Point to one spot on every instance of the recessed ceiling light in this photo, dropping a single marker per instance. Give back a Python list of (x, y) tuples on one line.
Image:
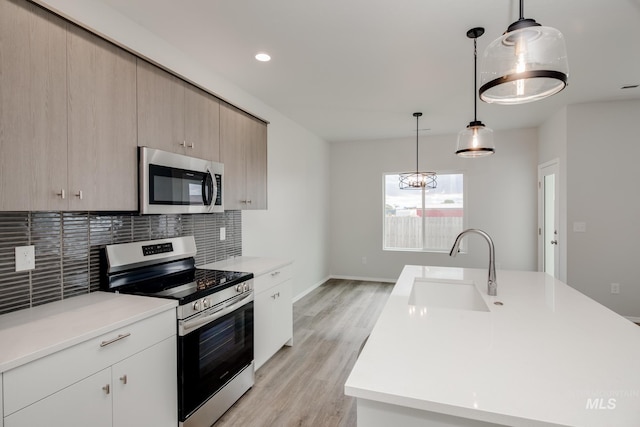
[(263, 57)]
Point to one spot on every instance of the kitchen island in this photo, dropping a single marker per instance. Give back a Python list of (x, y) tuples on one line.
[(544, 355)]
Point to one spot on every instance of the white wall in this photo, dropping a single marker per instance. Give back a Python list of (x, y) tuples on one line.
[(501, 199), (602, 184), (552, 145), (296, 224)]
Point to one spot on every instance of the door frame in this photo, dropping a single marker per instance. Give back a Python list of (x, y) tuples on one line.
[(541, 235)]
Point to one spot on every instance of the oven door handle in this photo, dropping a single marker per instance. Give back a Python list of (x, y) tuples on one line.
[(186, 327)]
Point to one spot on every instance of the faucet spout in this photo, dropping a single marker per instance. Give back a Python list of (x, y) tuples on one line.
[(492, 284)]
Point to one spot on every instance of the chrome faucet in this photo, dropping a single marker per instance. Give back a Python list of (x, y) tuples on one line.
[(492, 284)]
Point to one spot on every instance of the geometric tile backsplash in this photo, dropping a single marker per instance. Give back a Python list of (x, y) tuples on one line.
[(67, 246)]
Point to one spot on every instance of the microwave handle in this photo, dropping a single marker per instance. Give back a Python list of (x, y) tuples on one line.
[(208, 189)]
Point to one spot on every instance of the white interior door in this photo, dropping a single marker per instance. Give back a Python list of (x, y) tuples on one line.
[(548, 218)]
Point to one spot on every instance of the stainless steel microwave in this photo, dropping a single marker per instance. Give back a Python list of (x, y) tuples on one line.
[(171, 183)]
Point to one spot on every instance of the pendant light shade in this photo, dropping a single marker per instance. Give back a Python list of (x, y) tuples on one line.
[(477, 139), (527, 63), (417, 180)]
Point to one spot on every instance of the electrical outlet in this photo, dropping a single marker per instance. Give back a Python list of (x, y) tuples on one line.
[(615, 288), (223, 233), (25, 258), (579, 227)]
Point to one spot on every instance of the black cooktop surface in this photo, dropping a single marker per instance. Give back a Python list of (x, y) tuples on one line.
[(171, 281), (202, 283)]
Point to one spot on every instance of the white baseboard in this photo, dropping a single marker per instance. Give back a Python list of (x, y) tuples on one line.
[(309, 289), (364, 279), (321, 282), (633, 319)]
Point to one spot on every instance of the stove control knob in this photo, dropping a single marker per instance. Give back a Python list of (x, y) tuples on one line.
[(205, 303), (245, 287), (196, 305)]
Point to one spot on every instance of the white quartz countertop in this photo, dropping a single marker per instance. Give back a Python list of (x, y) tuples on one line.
[(550, 356), (29, 334), (249, 264)]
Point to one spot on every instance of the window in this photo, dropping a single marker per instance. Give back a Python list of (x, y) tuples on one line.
[(424, 219)]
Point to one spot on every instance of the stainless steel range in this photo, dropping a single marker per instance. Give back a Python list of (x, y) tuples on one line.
[(214, 320)]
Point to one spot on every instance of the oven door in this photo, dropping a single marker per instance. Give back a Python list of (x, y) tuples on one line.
[(212, 349)]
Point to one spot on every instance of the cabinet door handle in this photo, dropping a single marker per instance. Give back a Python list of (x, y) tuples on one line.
[(79, 194), (276, 295), (112, 340), (185, 145), (124, 379), (107, 389), (249, 201), (275, 273), (61, 194)]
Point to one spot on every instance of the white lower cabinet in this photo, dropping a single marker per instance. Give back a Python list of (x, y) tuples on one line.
[(85, 403), (273, 313), (144, 387), (125, 377), (273, 321)]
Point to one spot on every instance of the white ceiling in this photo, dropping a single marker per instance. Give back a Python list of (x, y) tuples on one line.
[(358, 69)]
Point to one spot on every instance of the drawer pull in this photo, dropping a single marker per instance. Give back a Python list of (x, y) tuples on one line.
[(107, 389), (275, 273), (124, 379), (118, 338), (276, 295)]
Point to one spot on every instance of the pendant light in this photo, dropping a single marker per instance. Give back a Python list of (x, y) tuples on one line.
[(527, 63), (417, 180), (477, 139)]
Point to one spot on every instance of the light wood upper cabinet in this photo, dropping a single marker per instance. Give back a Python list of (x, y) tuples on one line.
[(202, 123), (175, 116), (243, 150), (256, 158), (160, 109), (67, 116), (33, 108), (102, 124)]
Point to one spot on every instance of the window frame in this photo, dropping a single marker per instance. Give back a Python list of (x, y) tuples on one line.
[(465, 209)]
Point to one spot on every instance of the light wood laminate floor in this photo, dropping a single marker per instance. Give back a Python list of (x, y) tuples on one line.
[(303, 385)]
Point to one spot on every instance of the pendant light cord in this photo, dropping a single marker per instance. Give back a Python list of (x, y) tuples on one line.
[(475, 80), (521, 10), (417, 130)]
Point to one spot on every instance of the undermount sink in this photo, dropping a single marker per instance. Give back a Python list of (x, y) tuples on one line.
[(446, 293)]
